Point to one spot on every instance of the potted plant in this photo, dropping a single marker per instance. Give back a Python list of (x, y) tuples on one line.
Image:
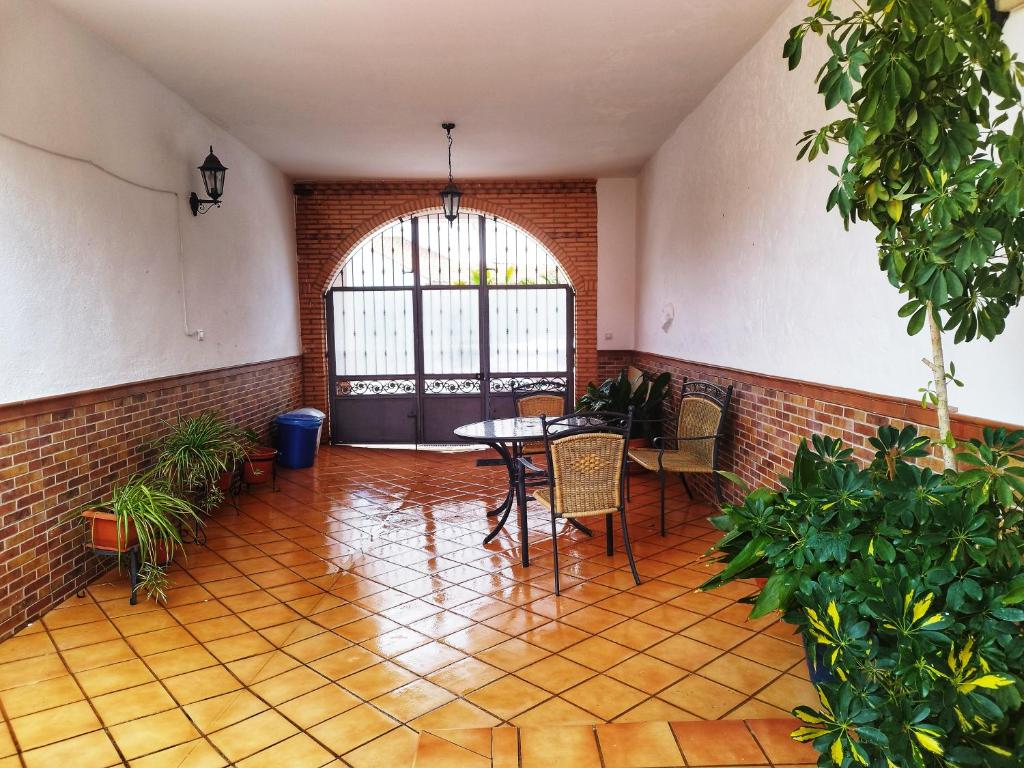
[(258, 465), (198, 456), (646, 396), (907, 587), (142, 513)]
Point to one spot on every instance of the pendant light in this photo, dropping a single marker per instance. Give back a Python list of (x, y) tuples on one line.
[(450, 195)]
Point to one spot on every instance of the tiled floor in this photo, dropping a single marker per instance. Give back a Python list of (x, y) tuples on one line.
[(357, 606), (733, 743)]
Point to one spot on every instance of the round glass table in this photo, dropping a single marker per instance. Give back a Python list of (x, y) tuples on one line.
[(506, 436)]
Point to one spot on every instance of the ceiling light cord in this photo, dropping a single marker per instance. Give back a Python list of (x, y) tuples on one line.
[(451, 179), (124, 180)]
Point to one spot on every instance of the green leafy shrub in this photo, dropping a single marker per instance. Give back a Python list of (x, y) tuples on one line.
[(618, 394), (194, 453), (912, 584)]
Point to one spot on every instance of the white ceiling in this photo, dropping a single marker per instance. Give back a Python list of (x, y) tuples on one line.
[(358, 88)]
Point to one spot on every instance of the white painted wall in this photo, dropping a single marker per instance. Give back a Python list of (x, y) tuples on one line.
[(90, 281), (739, 265), (616, 263)]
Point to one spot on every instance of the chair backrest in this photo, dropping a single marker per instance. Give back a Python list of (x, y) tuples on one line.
[(703, 408), (587, 456), (544, 397)]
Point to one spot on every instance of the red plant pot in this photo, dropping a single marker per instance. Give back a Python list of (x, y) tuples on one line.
[(162, 553), (224, 481), (259, 465), (104, 531)]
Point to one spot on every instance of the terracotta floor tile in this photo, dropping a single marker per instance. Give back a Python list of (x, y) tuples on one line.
[(554, 636), (153, 733), (219, 712), (84, 634), (289, 685), (263, 666), (96, 682), (352, 729), (684, 653), (180, 660), (144, 622), (560, 745), (45, 695), (723, 742), (132, 703), (93, 749), (464, 676), (638, 745), (48, 726), (654, 710), (755, 709), (635, 634), (555, 673), (770, 651), (268, 616), (434, 751), (704, 698), (26, 646), (455, 714), (291, 632), (597, 653), (604, 696), (593, 620), (512, 654), (773, 736), (248, 737), (739, 673), (718, 633), (396, 748), (429, 658), (646, 673), (317, 706), (346, 662), (192, 754), (472, 640), (508, 697), (238, 646), (556, 711), (788, 692), (413, 700), (316, 647), (98, 655), (160, 640), (298, 750), (201, 684)]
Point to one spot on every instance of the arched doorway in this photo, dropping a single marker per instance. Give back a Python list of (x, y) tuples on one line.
[(430, 325)]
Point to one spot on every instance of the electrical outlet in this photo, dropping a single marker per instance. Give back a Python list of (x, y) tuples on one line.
[(199, 334)]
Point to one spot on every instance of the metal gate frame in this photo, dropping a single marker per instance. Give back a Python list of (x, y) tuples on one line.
[(493, 404)]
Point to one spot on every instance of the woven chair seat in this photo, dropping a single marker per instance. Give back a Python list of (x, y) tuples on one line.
[(543, 495), (690, 459)]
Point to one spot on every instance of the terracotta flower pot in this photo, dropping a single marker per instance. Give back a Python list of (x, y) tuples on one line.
[(162, 553), (104, 530), (761, 582), (224, 481), (259, 465)]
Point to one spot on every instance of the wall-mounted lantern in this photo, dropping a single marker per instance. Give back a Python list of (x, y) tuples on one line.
[(212, 171), (450, 195)]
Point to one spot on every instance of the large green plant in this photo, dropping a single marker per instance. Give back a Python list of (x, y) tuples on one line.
[(912, 584), (194, 453), (619, 394), (933, 160)]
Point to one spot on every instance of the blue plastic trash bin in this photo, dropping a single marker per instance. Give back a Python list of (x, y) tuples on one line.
[(297, 435)]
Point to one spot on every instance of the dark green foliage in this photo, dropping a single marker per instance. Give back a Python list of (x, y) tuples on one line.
[(913, 584), (618, 394), (934, 159)]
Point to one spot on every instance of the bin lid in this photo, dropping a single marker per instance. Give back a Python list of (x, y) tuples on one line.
[(308, 412), (299, 420)]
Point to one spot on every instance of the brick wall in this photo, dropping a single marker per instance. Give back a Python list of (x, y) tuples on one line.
[(332, 217), (59, 453), (770, 415)]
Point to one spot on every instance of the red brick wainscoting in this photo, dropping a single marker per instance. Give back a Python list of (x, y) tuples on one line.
[(770, 415), (59, 453), (333, 217)]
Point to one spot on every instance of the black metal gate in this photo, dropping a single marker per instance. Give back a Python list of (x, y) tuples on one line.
[(430, 325)]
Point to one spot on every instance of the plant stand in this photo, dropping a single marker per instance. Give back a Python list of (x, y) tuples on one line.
[(133, 569)]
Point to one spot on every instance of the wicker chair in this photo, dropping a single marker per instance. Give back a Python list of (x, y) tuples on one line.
[(587, 459), (703, 408), (544, 397)]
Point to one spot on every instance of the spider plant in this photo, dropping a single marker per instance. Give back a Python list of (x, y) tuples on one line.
[(148, 505), (195, 452), (153, 581)]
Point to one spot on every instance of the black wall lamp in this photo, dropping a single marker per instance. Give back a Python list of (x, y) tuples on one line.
[(212, 171), (450, 195)]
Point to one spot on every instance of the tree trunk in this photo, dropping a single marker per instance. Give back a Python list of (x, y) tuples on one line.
[(938, 366)]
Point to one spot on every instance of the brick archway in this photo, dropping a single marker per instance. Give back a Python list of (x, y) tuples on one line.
[(333, 217)]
